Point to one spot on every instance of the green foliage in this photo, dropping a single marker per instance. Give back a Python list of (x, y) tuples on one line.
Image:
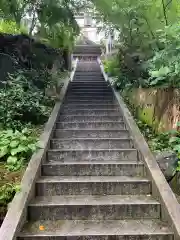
[(23, 102), (10, 27), (164, 67), (7, 193), (16, 146), (156, 37), (111, 67)]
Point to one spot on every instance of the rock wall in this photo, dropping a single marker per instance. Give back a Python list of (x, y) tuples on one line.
[(25, 52), (159, 108)]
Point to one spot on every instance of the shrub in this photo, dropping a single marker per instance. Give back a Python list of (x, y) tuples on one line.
[(22, 102), (16, 147)]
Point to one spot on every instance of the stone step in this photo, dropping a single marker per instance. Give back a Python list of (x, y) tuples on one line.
[(109, 207), (92, 73), (90, 133), (84, 143), (104, 101), (94, 112), (97, 168), (90, 89), (83, 79), (92, 155), (144, 229), (88, 84), (100, 125), (82, 93), (89, 118), (106, 90), (88, 76), (92, 185), (87, 80), (89, 106), (93, 95), (89, 98)]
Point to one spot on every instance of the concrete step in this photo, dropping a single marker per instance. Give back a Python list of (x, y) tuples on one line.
[(90, 90), (89, 98), (93, 95), (94, 87), (87, 80), (92, 73), (89, 76), (92, 155), (94, 112), (90, 133), (109, 207), (89, 118), (90, 106), (144, 229), (92, 185), (84, 143), (84, 84), (100, 125), (95, 101), (82, 93), (97, 168)]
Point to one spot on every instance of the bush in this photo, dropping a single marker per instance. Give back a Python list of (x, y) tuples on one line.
[(112, 67), (22, 102), (16, 146), (10, 27), (164, 67)]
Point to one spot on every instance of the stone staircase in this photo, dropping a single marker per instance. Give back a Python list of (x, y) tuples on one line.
[(92, 184), (87, 50)]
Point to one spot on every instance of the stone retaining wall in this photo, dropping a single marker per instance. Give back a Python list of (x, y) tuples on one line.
[(159, 108)]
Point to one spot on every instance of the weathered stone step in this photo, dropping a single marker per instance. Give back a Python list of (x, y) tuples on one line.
[(91, 73), (88, 84), (77, 118), (84, 143), (92, 155), (94, 112), (89, 98), (109, 207), (100, 125), (95, 101), (97, 168), (90, 106), (88, 88), (89, 76), (91, 90), (93, 95), (94, 71), (90, 133), (93, 80), (93, 185), (88, 93), (144, 229), (83, 79)]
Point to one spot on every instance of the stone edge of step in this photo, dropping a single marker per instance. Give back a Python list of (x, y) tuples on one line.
[(97, 228)]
